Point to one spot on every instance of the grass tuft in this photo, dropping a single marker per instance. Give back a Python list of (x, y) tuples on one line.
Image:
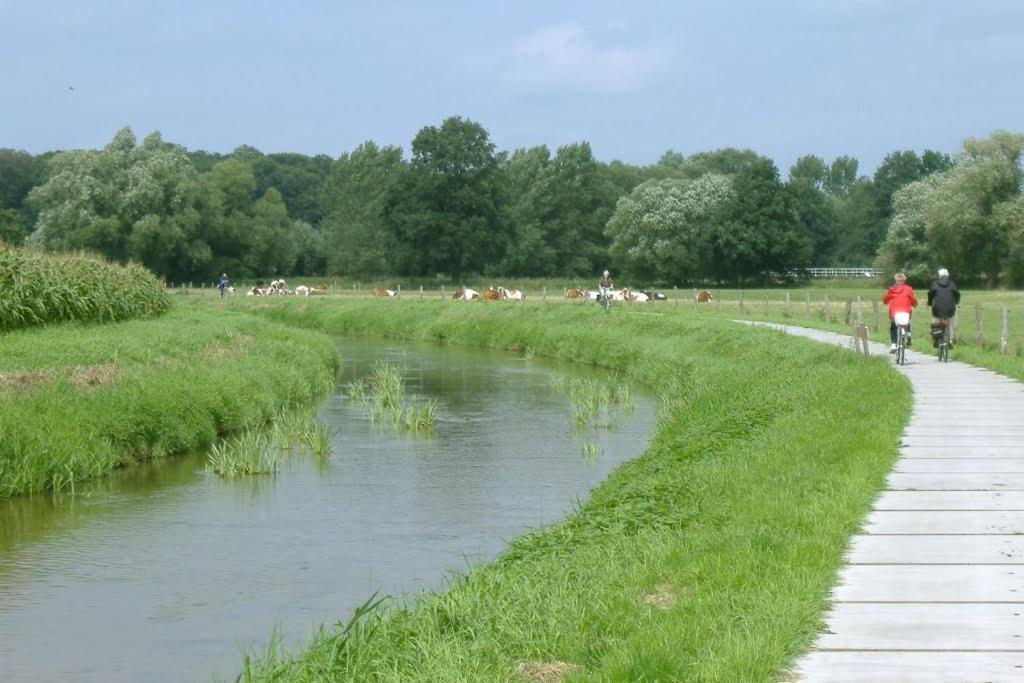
[(248, 453)]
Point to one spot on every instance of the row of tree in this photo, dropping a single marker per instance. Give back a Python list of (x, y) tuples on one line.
[(460, 207)]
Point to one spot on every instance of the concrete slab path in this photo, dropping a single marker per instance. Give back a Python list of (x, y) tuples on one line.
[(933, 588)]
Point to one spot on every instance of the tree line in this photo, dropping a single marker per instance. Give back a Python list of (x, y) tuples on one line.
[(458, 207)]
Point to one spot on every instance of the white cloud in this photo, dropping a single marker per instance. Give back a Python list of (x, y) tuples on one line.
[(565, 56)]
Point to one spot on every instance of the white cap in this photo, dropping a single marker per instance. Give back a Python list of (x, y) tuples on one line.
[(943, 272)]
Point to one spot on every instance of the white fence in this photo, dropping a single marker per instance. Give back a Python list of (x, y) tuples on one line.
[(844, 273)]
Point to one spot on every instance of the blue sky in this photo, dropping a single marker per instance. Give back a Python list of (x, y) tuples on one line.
[(862, 77)]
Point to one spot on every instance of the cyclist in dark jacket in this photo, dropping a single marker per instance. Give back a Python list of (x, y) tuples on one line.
[(943, 298)]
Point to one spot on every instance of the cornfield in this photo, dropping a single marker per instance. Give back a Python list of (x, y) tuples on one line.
[(37, 288)]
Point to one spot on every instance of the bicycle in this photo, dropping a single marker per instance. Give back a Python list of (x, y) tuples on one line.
[(942, 339), (605, 298), (903, 336)]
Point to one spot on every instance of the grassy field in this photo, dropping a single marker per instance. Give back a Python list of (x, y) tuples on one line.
[(38, 288), (78, 400), (821, 304), (709, 558)]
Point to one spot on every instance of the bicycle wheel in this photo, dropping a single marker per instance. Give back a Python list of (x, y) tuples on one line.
[(944, 346), (901, 347)]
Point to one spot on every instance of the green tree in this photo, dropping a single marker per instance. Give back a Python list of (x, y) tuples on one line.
[(248, 235), (529, 203), (727, 161), (968, 218), (756, 231), (842, 174), (444, 213), (11, 230), (811, 171), (658, 232), (126, 201), (299, 179), (583, 200), (356, 240)]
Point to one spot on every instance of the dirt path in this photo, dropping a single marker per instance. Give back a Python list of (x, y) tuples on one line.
[(933, 588)]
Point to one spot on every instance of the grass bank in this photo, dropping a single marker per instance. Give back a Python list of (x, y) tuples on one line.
[(978, 325), (38, 288), (78, 400), (709, 558)]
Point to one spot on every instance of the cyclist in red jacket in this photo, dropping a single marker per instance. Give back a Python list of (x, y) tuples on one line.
[(901, 299)]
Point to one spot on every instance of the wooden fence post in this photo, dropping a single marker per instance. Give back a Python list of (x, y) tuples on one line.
[(808, 304), (766, 305), (980, 338), (874, 313), (544, 293), (718, 304), (847, 310), (862, 329), (741, 302), (787, 303), (828, 310), (1005, 314), (398, 291), (860, 311), (421, 292)]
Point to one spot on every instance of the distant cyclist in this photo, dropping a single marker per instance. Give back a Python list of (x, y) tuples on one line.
[(901, 299), (943, 298), (605, 285), (222, 284)]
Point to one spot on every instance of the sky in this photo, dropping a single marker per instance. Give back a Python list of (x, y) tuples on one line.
[(856, 77)]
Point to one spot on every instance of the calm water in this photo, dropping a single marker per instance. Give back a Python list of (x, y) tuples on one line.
[(166, 572)]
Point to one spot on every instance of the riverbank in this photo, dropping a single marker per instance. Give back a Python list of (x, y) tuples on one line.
[(708, 558), (78, 400)]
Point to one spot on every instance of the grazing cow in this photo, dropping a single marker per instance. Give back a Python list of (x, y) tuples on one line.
[(641, 297), (704, 296), (319, 288), (655, 296), (575, 293), (380, 291), (302, 290), (491, 294)]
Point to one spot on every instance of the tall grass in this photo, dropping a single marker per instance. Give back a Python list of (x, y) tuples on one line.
[(593, 400), (38, 288), (77, 401), (768, 453), (383, 391), (247, 453)]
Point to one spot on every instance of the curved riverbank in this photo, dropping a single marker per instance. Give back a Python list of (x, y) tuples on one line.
[(708, 558), (77, 401)]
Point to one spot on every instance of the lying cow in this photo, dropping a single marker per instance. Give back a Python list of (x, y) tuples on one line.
[(575, 293), (513, 294), (380, 291), (302, 290), (704, 296), (491, 294), (466, 294)]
